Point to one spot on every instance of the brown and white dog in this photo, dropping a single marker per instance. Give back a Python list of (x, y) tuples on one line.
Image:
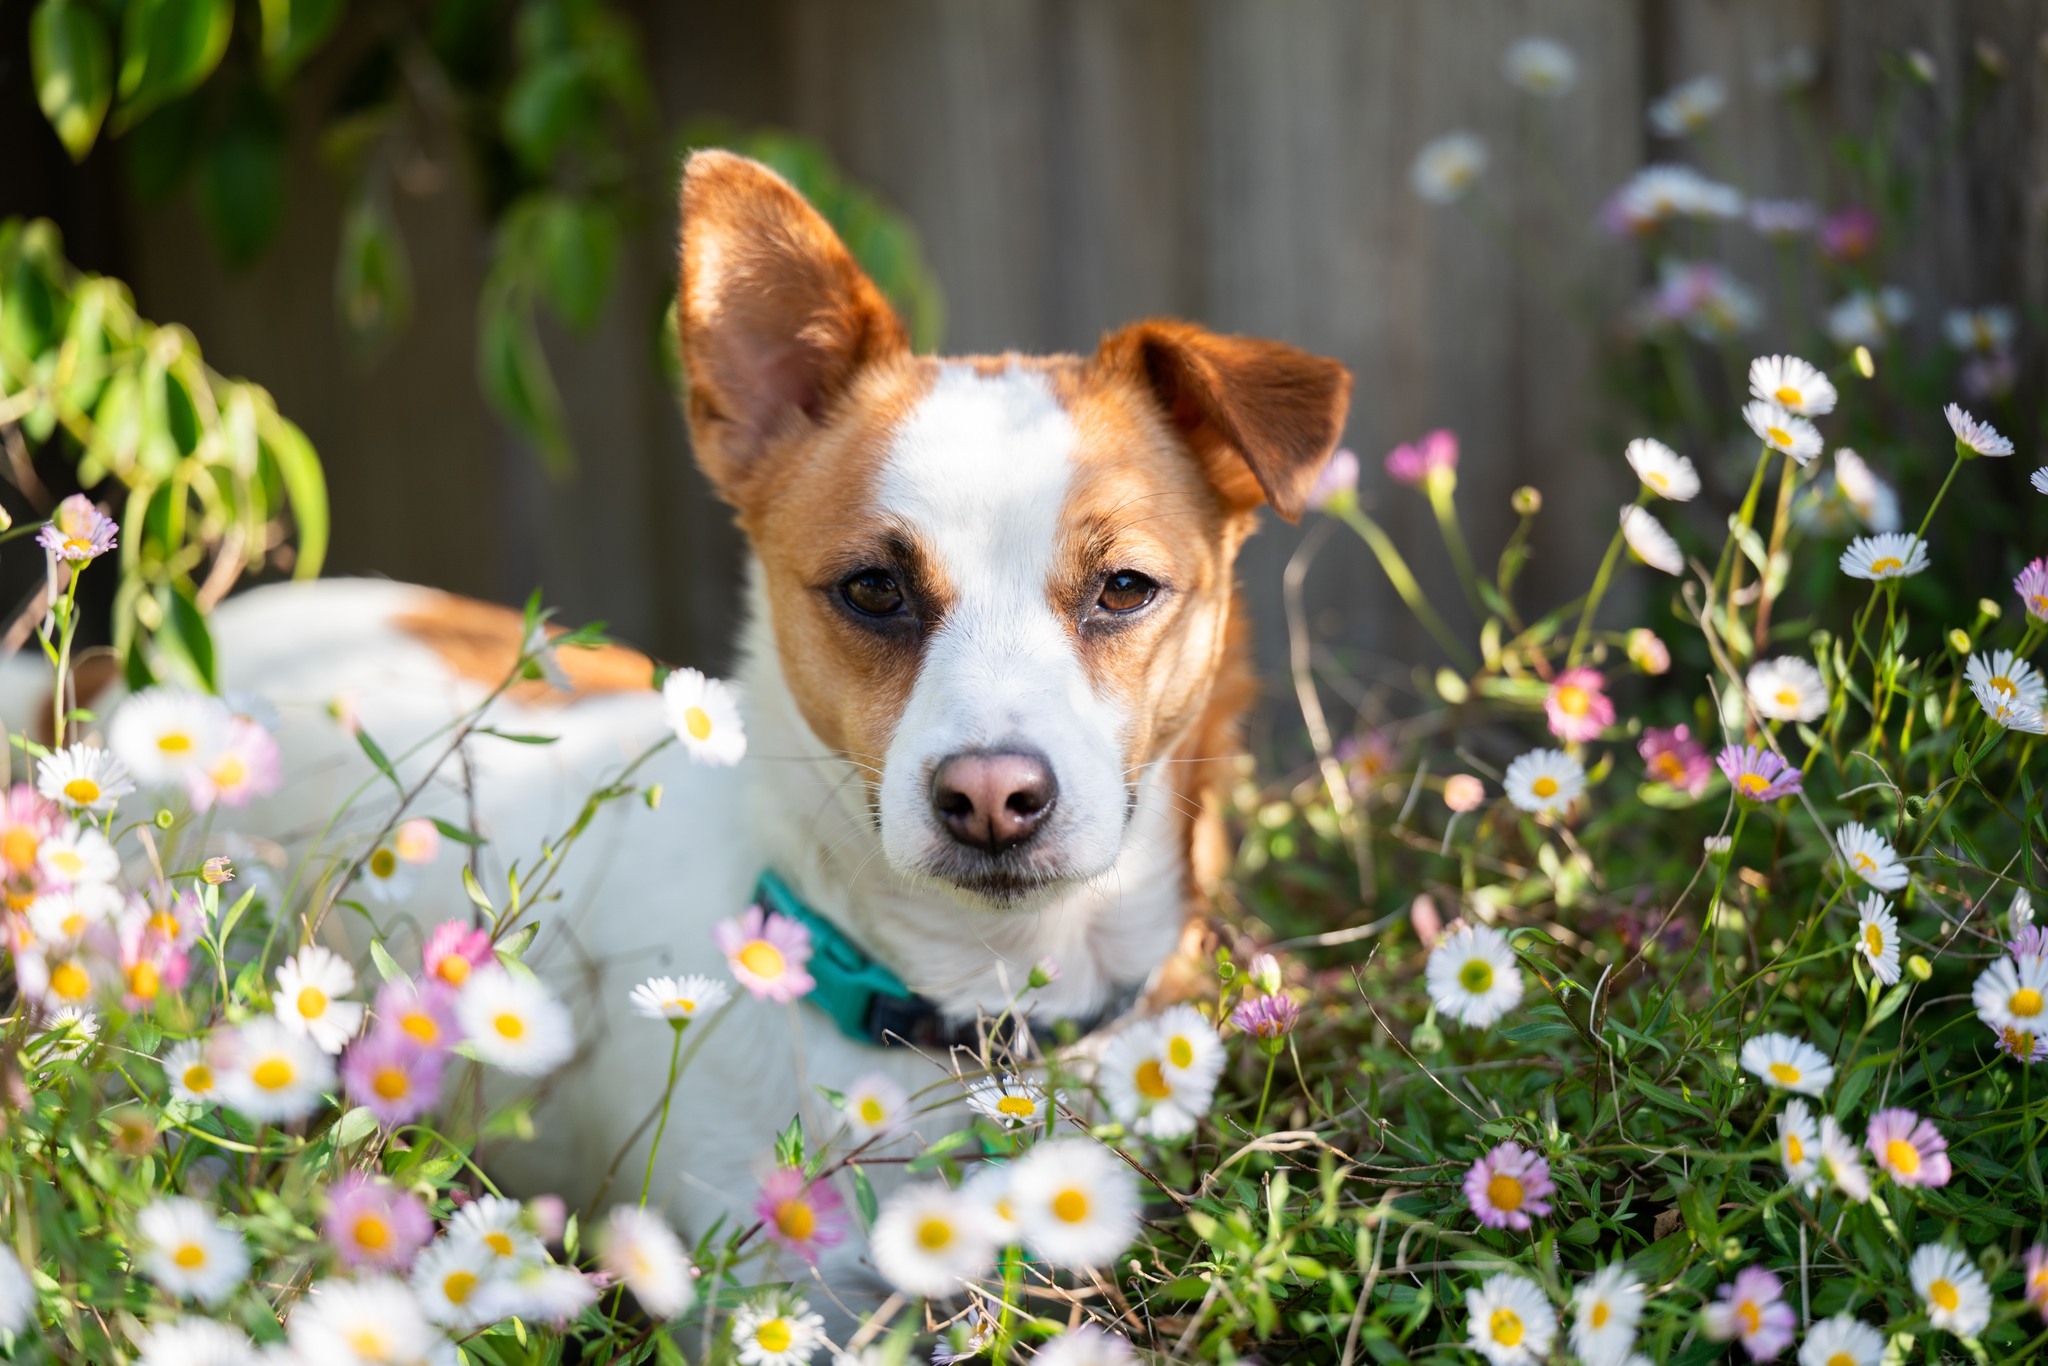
[(991, 664)]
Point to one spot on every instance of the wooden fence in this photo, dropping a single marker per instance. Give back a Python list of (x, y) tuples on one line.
[(1073, 164)]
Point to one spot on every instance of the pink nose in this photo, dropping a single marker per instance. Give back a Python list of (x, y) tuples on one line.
[(993, 801)]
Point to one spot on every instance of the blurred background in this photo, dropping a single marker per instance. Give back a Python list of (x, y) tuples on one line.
[(441, 234)]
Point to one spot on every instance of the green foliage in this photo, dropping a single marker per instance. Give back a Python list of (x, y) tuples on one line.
[(216, 483)]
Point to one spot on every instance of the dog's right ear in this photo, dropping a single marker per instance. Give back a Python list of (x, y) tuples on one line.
[(776, 317)]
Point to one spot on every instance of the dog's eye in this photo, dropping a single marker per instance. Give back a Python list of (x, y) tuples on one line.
[(872, 593), (1126, 591)]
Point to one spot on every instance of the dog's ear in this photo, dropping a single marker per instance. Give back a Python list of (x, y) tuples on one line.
[(776, 317), (1261, 416)]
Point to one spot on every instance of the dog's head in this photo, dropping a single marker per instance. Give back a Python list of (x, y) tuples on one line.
[(1001, 585)]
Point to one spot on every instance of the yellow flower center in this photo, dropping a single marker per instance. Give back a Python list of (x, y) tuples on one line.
[(1544, 787), (499, 1242), (2039, 602), (509, 1026), (84, 791), (934, 1235), (165, 924), (68, 863), (78, 545), (1476, 976), (683, 1004), (1668, 768), (1657, 480), (189, 1256), (1151, 1080), (230, 772), (391, 1083), (1788, 396), (312, 1002), (199, 1078), (454, 969), (18, 846), (145, 981), (174, 742), (369, 1344), (1778, 436), (1795, 1151), (1506, 1327), (1752, 785), (1903, 1157), (1070, 1206), (1873, 940), (1752, 1317), (2019, 1042), (1864, 862), (71, 982), (420, 1026), (1785, 1074), (371, 1232), (1886, 564), (1787, 697), (273, 1074), (1944, 1295), (697, 721), (2025, 1001), (871, 1111), (457, 1285), (383, 863), (1601, 1313), (1180, 1051), (1841, 1359), (1504, 1192), (2005, 686), (774, 1335), (796, 1220), (762, 959), (1573, 701), (1017, 1107), (72, 925)]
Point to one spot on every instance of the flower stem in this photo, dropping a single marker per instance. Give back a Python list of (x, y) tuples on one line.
[(1606, 572), (1398, 574), (1265, 1092), (675, 1056), (1439, 488)]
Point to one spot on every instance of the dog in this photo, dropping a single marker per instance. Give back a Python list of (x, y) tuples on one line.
[(993, 668)]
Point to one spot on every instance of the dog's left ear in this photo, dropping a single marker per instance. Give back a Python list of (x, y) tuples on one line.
[(1261, 416)]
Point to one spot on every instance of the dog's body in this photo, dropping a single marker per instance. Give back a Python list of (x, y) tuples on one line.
[(990, 669)]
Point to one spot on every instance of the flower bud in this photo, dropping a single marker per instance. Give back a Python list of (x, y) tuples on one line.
[(1463, 792), (217, 870), (1648, 652), (1717, 846), (1920, 968), (1451, 687), (1988, 609), (1959, 641), (1043, 973), (1866, 364), (1528, 500), (1265, 973)]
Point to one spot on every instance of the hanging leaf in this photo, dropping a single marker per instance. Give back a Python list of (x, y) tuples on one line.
[(516, 380), (293, 30), (73, 64), (167, 48), (242, 180), (373, 282)]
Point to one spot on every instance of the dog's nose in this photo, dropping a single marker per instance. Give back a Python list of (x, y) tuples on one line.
[(993, 801)]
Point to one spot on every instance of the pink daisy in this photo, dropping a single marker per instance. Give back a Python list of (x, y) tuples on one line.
[(1909, 1149), (372, 1223), (1271, 1018), (2022, 1045), (423, 1011), (27, 818), (1508, 1186), (1676, 759), (1578, 706), (454, 950), (150, 963), (1751, 1310), (2034, 1288), (176, 918), (1413, 464), (391, 1075), (2030, 942), (1757, 774), (248, 768), (78, 532), (1847, 234), (2032, 586), (802, 1215), (767, 953), (1339, 476), (1648, 652)]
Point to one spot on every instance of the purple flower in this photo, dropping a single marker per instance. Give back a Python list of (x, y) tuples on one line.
[(79, 532), (1780, 219), (1848, 234), (1414, 464), (1676, 759), (1757, 774), (2022, 1045), (373, 1223), (2035, 1287), (423, 1011), (1509, 1186), (2030, 942), (1270, 1018), (804, 1216), (2032, 586), (1578, 706), (1648, 652), (391, 1075), (1751, 1309), (1910, 1149), (1339, 478), (767, 953)]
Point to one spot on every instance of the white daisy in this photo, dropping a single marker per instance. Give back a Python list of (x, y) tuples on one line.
[(1843, 1340), (1973, 436), (1189, 1046), (537, 1291), (643, 1252), (1544, 781), (2009, 677), (1782, 430), (1957, 1298), (1978, 329), (191, 1254), (1540, 66), (310, 985), (1877, 938), (83, 778), (2020, 914), (191, 1073), (679, 999), (1799, 1146), (373, 1320), (1786, 1063), (1891, 555), (1144, 1091), (73, 1026), (1473, 977), (705, 715), (1870, 857), (61, 919), (192, 1341), (1792, 384), (2039, 479), (1008, 1101), (1867, 318), (446, 1279), (511, 1021), (166, 734), (1841, 1161), (1510, 1323), (2010, 714), (498, 1228), (1086, 1345), (17, 1294), (873, 1105), (1787, 688), (1650, 542), (988, 1190), (1076, 1203), (271, 1073), (1448, 167), (1605, 1311), (78, 855), (385, 876), (771, 1332), (1663, 471), (2013, 994), (930, 1238), (1871, 498)]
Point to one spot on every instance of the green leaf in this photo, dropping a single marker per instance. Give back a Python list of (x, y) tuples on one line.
[(387, 966), (515, 944), (789, 1144), (73, 65), (160, 150), (864, 1195), (185, 630), (377, 757), (293, 30), (515, 737), (516, 380), (476, 893), (305, 486), (459, 835), (241, 187), (373, 286), (167, 48), (355, 1126)]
